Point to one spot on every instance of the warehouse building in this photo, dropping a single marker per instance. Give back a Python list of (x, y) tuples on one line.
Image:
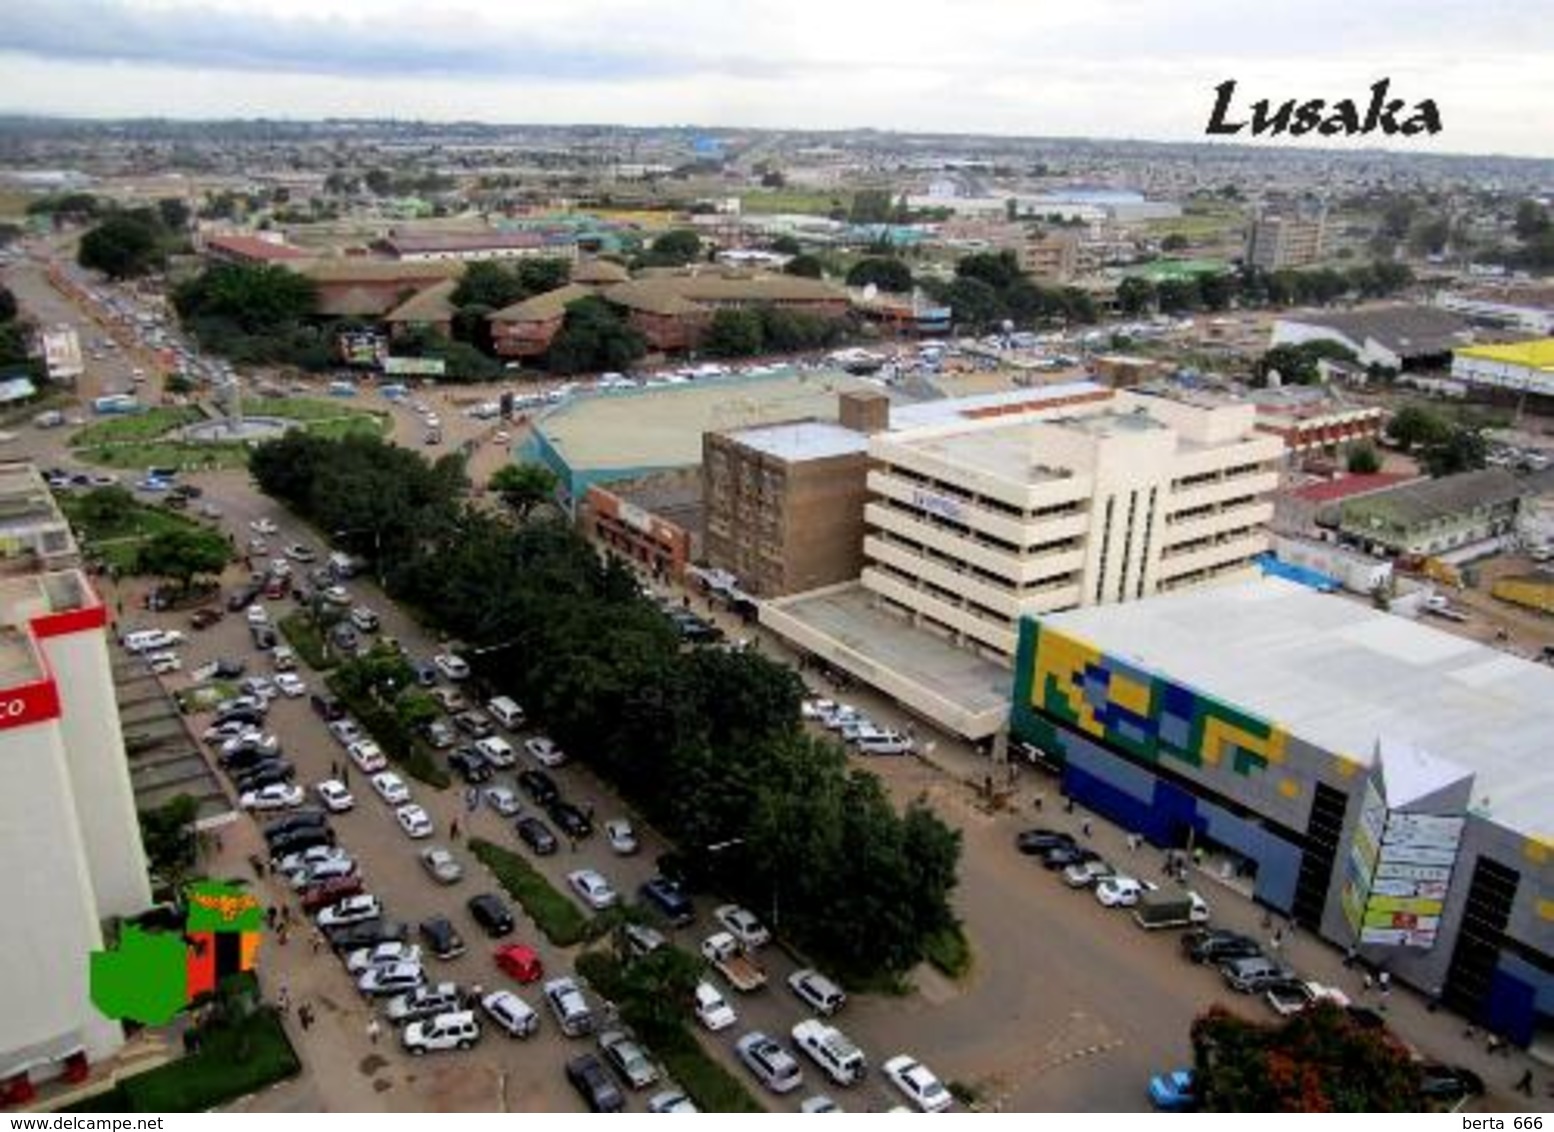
[(1383, 783)]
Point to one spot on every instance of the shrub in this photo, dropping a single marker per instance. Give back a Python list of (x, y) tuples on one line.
[(307, 640), (949, 950)]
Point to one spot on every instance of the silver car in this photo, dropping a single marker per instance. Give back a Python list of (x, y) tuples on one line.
[(442, 865)]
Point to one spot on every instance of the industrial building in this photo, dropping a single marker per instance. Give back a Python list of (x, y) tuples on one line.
[(1525, 307), (1433, 517), (1514, 367), (68, 827), (1384, 784), (1039, 501), (1393, 337)]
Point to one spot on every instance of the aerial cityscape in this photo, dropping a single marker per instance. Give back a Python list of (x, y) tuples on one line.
[(768, 560)]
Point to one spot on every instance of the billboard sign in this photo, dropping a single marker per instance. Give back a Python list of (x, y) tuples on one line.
[(414, 367)]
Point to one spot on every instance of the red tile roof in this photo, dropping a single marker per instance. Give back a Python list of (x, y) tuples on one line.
[(252, 247), (1342, 488)]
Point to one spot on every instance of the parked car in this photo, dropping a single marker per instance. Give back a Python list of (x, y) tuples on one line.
[(1083, 874), (591, 886), (474, 723), (1036, 842), (451, 666), (587, 1075), (544, 751), (381, 955), (539, 786), (276, 796), (811, 987), (772, 1065), (469, 765), (364, 620), (669, 900), (414, 821), (1174, 1091), (917, 1083), (326, 893), (519, 963), (743, 925), (712, 1009), (503, 800), (491, 914), (513, 1015), (1253, 974), (496, 751), (1448, 1083), (424, 1002), (1060, 857), (1121, 891), (441, 865), (291, 685), (536, 835), (1214, 945), (573, 821), (351, 910), (391, 788), (439, 734), (620, 835), (367, 755), (368, 933), (456, 1030), (628, 1059), (671, 1100), (441, 938)]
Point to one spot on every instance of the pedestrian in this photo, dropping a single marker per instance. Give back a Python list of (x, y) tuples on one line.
[(1133, 842), (216, 839), (573, 842), (471, 798), (257, 864), (286, 914), (1197, 857), (589, 813), (281, 933), (318, 941), (1366, 981), (1492, 1043), (1068, 805), (1384, 981), (1350, 955), (453, 830), (1038, 801), (270, 916), (1524, 1084), (345, 776), (1277, 940), (1084, 827), (373, 1029), (283, 1000), (305, 1016)]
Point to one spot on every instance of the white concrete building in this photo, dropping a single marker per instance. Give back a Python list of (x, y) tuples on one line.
[(68, 828), (1520, 367), (972, 528)]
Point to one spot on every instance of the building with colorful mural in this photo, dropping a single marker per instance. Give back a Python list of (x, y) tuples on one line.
[(1382, 783)]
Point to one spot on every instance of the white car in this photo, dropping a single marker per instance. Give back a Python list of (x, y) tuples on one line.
[(161, 663), (351, 910), (1121, 891), (671, 1100), (336, 798), (441, 865), (917, 1083), (320, 871), (291, 685), (453, 667), (622, 838), (741, 923), (544, 751), (414, 821), (395, 978), (149, 640), (346, 732), (381, 956), (279, 796), (878, 742), (511, 1013), (367, 755), (309, 857), (496, 751), (503, 800), (258, 615), (593, 888), (391, 788), (251, 740), (263, 527), (712, 1009)]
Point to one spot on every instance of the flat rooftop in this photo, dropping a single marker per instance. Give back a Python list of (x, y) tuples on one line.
[(1344, 677), (649, 429), (1006, 453), (804, 440), (22, 599), (876, 639)]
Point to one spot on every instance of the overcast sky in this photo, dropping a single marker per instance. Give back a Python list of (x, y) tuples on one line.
[(1102, 68)]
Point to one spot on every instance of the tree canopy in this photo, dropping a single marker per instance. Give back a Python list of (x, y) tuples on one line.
[(733, 333), (1297, 364), (1320, 1060), (495, 285), (255, 298), (805, 266), (885, 272), (523, 487), (675, 248), (594, 337), (183, 554), (125, 245)]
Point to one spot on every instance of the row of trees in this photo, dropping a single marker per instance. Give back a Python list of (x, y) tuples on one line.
[(741, 333), (706, 742), (254, 313), (15, 336), (1255, 287)]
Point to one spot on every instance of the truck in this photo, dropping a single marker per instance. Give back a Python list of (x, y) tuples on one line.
[(1166, 909), (743, 973)]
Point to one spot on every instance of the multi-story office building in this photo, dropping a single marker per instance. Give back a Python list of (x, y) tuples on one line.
[(972, 527), (1280, 241), (68, 828)]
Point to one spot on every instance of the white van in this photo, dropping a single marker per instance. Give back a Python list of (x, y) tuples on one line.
[(458, 1030), (506, 711), (830, 1049)]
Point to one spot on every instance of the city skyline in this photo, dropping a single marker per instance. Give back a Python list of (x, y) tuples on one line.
[(1114, 70)]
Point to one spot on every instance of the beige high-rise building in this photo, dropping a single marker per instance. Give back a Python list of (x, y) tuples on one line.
[(1276, 242), (972, 527)]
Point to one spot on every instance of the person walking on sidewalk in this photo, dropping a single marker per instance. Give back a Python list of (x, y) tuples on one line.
[(373, 1030), (1524, 1083)]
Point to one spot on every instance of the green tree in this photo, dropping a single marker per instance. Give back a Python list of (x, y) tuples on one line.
[(885, 272), (675, 248), (1320, 1060), (488, 284), (786, 245), (1216, 290), (124, 246), (167, 835), (999, 270), (1179, 295), (523, 487), (1532, 219), (1298, 364), (1415, 426), (975, 303), (8, 308), (1135, 295), (174, 213), (1174, 242), (105, 510), (1363, 459), (1463, 449), (253, 298), (872, 206), (733, 333), (594, 337), (379, 182), (805, 266), (183, 554)]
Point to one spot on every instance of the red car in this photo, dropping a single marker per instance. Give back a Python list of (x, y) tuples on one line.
[(205, 618), (520, 962), (329, 892)]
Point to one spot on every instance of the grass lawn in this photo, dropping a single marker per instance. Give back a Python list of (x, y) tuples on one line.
[(298, 408), (166, 453), (232, 1064), (119, 544), (794, 200), (555, 914), (366, 424), (139, 426)]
